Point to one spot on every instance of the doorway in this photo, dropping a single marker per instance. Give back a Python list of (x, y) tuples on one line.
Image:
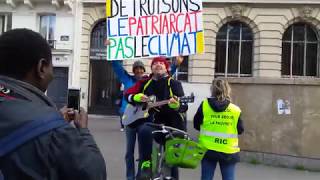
[(104, 86), (104, 89)]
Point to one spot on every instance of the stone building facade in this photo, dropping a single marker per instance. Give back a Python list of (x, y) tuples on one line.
[(55, 21)]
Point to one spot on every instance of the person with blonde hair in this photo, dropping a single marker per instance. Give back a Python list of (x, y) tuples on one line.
[(219, 123)]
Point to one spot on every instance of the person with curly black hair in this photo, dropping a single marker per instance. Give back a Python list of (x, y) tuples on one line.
[(36, 140)]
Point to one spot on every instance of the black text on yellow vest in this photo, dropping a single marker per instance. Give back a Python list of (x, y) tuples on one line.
[(218, 131)]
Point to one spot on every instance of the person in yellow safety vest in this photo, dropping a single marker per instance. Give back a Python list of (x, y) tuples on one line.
[(219, 123)]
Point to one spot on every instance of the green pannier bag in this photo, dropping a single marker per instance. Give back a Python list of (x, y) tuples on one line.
[(183, 153)]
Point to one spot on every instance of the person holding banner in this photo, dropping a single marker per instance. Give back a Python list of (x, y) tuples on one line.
[(161, 85), (219, 123), (128, 81)]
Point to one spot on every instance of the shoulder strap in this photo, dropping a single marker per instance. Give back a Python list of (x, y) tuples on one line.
[(146, 85), (169, 85), (29, 131)]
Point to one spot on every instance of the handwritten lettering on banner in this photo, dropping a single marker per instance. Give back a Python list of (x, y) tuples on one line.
[(149, 28)]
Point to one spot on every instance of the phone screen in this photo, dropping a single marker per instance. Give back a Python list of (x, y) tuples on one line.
[(74, 98)]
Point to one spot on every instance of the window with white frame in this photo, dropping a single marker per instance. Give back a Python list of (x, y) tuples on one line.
[(299, 51), (182, 71), (5, 23), (47, 28), (234, 50)]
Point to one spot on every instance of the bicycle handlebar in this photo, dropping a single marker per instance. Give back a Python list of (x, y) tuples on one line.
[(167, 128)]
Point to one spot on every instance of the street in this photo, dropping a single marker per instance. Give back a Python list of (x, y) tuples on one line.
[(111, 141)]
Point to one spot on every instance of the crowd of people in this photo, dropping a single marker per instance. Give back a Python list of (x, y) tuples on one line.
[(34, 133)]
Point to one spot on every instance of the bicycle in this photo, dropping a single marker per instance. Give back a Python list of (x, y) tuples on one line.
[(177, 150)]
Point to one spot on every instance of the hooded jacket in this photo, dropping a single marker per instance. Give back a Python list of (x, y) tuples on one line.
[(58, 152), (198, 120)]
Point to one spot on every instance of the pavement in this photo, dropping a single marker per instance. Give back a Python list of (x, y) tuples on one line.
[(111, 141)]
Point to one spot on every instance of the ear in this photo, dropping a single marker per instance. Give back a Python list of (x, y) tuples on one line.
[(42, 65)]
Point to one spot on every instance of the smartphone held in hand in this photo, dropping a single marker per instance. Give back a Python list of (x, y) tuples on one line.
[(74, 98)]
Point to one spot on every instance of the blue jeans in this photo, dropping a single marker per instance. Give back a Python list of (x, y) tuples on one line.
[(131, 136), (121, 114), (208, 167)]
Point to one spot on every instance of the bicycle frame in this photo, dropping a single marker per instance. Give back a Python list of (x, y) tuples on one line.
[(159, 163)]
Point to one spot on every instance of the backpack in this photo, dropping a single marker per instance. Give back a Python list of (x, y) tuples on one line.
[(38, 121)]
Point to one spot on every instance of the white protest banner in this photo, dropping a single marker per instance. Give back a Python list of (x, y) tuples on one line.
[(150, 28)]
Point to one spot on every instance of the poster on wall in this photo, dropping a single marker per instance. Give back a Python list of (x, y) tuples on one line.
[(150, 28), (283, 107)]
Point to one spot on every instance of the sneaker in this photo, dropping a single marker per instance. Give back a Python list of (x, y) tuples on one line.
[(145, 171)]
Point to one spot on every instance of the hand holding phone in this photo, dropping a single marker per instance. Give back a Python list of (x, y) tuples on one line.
[(81, 119), (67, 113)]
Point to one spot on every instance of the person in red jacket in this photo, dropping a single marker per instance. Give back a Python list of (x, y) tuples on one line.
[(128, 80), (163, 87)]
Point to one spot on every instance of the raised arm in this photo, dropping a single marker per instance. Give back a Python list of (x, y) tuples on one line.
[(121, 73), (117, 67), (176, 64)]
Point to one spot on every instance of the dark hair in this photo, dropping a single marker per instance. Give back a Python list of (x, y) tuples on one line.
[(20, 51)]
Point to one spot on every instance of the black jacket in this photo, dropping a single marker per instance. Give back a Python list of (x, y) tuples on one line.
[(198, 120), (61, 153), (160, 89)]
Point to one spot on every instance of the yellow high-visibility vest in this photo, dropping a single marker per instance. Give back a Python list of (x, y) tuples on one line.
[(218, 131)]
